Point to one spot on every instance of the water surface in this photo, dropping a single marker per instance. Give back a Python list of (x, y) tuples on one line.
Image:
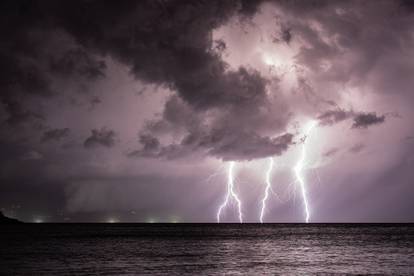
[(206, 249)]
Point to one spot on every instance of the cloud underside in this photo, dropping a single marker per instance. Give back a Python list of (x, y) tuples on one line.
[(163, 42), (360, 119), (235, 146), (229, 113)]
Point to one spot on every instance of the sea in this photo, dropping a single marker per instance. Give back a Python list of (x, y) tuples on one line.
[(207, 249)]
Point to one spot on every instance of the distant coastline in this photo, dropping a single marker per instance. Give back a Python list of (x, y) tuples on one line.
[(7, 220)]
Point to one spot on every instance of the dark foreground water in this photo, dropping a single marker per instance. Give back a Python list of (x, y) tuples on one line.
[(206, 249)]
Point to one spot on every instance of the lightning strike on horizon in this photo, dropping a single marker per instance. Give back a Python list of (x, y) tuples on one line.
[(230, 194), (268, 187), (298, 171)]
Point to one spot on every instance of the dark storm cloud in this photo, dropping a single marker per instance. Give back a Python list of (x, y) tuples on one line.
[(150, 147), (360, 119), (246, 146), (19, 78), (176, 115), (332, 117), (35, 50), (170, 43), (166, 42), (286, 35), (222, 144), (231, 133), (78, 62), (216, 109), (101, 137), (163, 42), (364, 120), (220, 88), (407, 4), (55, 134)]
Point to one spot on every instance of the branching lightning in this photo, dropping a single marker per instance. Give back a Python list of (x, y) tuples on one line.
[(299, 168), (231, 194), (268, 188), (232, 197)]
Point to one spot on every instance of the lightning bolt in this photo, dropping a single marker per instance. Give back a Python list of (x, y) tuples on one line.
[(299, 168), (268, 187), (230, 194)]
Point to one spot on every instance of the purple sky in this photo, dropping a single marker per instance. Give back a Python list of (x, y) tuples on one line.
[(132, 111)]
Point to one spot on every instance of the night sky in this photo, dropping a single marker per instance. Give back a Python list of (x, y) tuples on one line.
[(132, 111)]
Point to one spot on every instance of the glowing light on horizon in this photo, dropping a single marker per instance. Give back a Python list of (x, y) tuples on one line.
[(231, 194), (299, 168), (174, 219), (268, 188)]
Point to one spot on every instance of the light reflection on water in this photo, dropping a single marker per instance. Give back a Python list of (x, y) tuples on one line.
[(177, 249)]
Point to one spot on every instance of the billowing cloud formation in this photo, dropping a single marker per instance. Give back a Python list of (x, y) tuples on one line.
[(101, 137), (230, 80), (163, 42), (168, 43), (171, 45)]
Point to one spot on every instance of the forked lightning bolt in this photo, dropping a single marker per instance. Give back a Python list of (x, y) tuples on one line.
[(299, 168), (231, 194), (268, 187)]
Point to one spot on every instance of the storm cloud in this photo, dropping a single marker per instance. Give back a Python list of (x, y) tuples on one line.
[(101, 137), (219, 143), (364, 120), (332, 117), (182, 87)]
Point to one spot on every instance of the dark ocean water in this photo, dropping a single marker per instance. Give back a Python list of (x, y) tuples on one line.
[(206, 249)]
